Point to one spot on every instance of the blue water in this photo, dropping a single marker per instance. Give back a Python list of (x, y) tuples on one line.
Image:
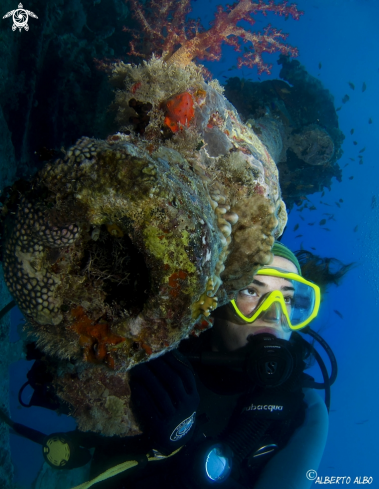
[(343, 36)]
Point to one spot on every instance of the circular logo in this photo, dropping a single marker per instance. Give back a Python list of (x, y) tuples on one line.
[(311, 475), (183, 428), (20, 18)]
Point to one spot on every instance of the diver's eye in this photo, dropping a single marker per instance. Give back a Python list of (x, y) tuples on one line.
[(289, 300), (248, 293)]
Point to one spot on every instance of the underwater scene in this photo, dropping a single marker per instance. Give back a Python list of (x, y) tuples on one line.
[(189, 240)]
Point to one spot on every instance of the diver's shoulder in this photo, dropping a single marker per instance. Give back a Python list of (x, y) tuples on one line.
[(196, 344)]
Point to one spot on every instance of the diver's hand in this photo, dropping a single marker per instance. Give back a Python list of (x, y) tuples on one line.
[(165, 398)]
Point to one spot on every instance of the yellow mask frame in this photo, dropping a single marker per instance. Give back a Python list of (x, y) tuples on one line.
[(277, 296)]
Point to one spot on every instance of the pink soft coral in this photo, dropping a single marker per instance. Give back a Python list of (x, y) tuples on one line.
[(167, 32)]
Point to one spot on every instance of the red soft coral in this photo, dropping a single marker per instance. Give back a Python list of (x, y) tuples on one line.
[(165, 28)]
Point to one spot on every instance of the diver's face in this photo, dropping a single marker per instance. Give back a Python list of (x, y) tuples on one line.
[(229, 336)]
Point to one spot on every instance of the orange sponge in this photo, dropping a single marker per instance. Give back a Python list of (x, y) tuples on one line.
[(179, 109)]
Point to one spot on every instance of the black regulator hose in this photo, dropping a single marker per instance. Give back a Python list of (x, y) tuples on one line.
[(319, 385), (7, 308), (329, 352), (245, 358), (22, 430)]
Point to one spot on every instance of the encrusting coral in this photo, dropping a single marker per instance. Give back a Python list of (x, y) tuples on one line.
[(123, 247), (117, 250)]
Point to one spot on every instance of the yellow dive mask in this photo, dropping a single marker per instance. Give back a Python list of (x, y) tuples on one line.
[(297, 302)]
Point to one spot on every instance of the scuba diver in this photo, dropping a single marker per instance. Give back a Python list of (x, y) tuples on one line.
[(231, 407)]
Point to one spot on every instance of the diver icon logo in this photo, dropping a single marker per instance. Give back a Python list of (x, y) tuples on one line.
[(183, 428), (20, 17)]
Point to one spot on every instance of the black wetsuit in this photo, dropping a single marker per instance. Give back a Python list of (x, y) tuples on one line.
[(220, 391)]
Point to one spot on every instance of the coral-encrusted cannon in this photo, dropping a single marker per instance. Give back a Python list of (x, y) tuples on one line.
[(118, 249)]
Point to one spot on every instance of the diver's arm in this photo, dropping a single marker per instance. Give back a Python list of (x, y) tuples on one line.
[(288, 468)]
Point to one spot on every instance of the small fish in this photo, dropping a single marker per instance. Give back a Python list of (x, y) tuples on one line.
[(326, 229), (331, 218), (299, 236), (296, 227), (355, 143), (345, 99), (351, 85), (339, 108), (373, 202), (362, 150), (313, 248), (338, 313), (352, 131), (352, 159), (327, 214), (364, 86), (319, 66), (361, 161), (347, 164), (311, 223), (322, 222), (302, 218), (355, 229), (351, 178), (341, 200), (323, 193), (362, 422), (338, 204), (370, 121), (327, 204), (313, 208)]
